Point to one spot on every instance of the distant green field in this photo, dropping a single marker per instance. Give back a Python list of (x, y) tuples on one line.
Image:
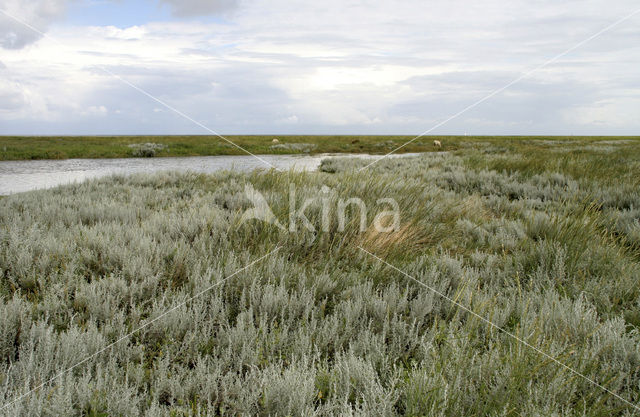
[(63, 147)]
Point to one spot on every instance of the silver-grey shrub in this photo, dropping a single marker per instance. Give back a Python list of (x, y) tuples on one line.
[(320, 328)]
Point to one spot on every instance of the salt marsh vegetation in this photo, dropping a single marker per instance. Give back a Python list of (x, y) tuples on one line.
[(544, 244)]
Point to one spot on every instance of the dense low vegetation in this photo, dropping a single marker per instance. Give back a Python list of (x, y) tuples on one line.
[(542, 238), (62, 147)]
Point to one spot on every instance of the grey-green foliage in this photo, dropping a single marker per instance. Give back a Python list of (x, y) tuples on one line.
[(320, 328), (295, 147), (627, 223), (146, 150)]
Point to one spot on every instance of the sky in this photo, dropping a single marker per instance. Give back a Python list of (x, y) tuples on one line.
[(318, 67)]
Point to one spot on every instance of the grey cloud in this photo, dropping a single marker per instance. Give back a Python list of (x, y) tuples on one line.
[(38, 13), (229, 100), (188, 8), (528, 108), (11, 98), (14, 35), (11, 101), (107, 54), (459, 83)]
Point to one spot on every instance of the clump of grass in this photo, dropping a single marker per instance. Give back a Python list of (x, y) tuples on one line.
[(407, 237), (146, 150), (295, 147)]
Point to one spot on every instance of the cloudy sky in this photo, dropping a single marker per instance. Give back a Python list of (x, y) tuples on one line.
[(331, 66)]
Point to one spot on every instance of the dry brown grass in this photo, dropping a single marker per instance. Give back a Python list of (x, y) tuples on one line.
[(408, 237), (473, 208)]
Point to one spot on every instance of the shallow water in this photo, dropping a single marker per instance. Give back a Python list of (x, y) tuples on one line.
[(20, 176)]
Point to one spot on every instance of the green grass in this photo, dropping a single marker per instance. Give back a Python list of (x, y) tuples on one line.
[(61, 147), (542, 238)]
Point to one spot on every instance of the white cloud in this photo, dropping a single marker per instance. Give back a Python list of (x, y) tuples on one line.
[(622, 112), (18, 102), (94, 111), (11, 96), (293, 119)]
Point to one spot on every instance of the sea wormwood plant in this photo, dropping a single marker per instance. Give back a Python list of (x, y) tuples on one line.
[(320, 328)]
